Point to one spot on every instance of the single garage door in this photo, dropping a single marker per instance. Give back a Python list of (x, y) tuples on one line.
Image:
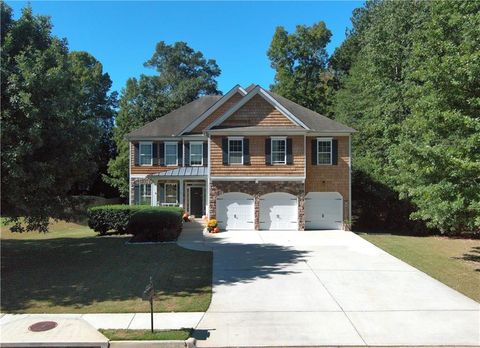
[(235, 211), (278, 211), (323, 211)]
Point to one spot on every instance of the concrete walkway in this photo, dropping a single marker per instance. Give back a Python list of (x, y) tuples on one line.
[(162, 321), (310, 288)]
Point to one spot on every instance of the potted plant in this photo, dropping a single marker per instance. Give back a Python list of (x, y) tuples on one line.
[(211, 224), (186, 217)]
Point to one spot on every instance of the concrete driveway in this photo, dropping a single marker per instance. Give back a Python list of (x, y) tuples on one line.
[(311, 288)]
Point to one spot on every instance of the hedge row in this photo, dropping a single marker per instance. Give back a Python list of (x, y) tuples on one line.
[(144, 222)]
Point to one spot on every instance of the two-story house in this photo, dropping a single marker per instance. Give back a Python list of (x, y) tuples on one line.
[(250, 158)]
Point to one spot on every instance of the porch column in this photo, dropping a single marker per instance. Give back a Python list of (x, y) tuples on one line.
[(153, 198), (181, 194)]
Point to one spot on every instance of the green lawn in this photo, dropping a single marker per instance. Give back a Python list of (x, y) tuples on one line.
[(455, 262), (71, 270), (143, 335)]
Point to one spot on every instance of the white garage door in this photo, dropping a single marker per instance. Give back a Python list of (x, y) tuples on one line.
[(235, 211), (323, 211), (278, 211)]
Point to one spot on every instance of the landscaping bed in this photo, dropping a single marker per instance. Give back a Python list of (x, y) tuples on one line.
[(72, 270), (454, 262)]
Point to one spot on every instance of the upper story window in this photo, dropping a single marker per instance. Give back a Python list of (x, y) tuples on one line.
[(235, 150), (324, 151), (196, 153), (171, 153), (145, 153), (279, 150)]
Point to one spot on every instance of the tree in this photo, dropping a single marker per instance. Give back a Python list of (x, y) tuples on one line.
[(50, 120), (300, 62), (438, 151), (183, 76)]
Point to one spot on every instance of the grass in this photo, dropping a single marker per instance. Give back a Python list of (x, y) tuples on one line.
[(71, 270), (143, 335), (454, 262)]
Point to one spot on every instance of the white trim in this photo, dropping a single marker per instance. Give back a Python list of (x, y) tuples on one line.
[(153, 194), (284, 139), (172, 138), (130, 173), (257, 178), (207, 205), (228, 148), (304, 156), (190, 153), (213, 108), (138, 176), (140, 153), (175, 143), (330, 140), (258, 91), (350, 178)]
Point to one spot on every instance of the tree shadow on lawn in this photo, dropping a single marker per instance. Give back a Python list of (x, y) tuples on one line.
[(473, 256), (100, 272), (103, 274)]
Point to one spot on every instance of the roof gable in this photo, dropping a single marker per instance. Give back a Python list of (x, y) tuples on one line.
[(217, 109), (255, 95)]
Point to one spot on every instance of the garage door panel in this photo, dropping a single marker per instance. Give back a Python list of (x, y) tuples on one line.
[(235, 211), (323, 210), (278, 211)]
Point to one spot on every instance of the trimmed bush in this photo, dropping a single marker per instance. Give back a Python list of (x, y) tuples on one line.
[(115, 218), (152, 225)]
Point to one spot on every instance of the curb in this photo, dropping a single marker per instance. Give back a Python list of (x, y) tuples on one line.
[(189, 343)]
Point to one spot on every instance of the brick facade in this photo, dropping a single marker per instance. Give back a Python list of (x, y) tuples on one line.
[(257, 190)]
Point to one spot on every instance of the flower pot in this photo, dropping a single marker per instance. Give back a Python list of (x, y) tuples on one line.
[(216, 230), (185, 217)]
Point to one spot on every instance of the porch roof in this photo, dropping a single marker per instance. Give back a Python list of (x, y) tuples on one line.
[(182, 172)]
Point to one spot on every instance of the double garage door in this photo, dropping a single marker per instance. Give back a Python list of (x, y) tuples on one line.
[(279, 211)]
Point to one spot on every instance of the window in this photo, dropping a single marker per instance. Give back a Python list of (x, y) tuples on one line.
[(171, 155), (145, 154), (144, 194), (279, 151), (171, 193), (324, 151), (235, 151), (196, 153)]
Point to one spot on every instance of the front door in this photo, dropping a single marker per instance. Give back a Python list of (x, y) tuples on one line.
[(196, 201)]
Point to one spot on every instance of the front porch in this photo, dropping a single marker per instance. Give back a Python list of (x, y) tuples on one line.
[(185, 187)]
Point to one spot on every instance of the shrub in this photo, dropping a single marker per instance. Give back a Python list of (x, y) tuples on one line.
[(115, 218), (153, 225)]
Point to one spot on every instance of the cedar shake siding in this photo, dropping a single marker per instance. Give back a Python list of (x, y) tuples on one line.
[(257, 112), (330, 178), (257, 166), (217, 113)]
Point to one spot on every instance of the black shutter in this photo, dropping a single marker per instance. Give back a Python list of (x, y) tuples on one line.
[(289, 151), (335, 152), (314, 152), (136, 154), (268, 152), (187, 154), (161, 158), (225, 151), (179, 154), (154, 153), (205, 154), (246, 151)]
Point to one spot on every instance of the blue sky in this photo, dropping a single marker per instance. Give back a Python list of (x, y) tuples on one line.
[(122, 35)]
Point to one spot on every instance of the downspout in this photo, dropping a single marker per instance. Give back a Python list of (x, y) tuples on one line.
[(129, 173), (208, 177), (350, 178)]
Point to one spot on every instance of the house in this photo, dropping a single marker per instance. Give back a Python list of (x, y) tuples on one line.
[(250, 158)]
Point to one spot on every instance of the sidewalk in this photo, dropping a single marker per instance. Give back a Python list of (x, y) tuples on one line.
[(135, 321)]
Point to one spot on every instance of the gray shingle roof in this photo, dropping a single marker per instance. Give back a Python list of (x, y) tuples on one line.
[(312, 119), (183, 171), (174, 122)]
